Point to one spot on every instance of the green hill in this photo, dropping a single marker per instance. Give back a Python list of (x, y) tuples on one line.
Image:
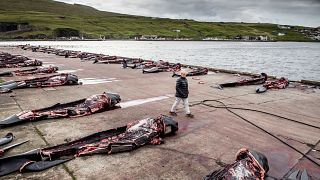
[(47, 19)]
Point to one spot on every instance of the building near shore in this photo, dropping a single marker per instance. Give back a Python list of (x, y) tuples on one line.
[(263, 38), (284, 26), (251, 38), (149, 37), (213, 39)]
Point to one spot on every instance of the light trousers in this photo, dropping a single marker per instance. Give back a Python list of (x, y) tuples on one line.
[(185, 104)]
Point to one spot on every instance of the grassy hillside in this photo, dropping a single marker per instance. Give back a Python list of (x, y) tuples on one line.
[(45, 16)]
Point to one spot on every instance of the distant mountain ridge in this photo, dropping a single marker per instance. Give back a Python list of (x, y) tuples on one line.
[(48, 19)]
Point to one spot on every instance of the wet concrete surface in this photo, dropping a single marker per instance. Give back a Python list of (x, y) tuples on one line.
[(203, 144)]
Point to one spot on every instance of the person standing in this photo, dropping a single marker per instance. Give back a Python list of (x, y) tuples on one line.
[(124, 64), (182, 93)]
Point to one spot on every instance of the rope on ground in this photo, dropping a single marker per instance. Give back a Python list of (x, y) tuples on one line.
[(248, 109), (262, 129)]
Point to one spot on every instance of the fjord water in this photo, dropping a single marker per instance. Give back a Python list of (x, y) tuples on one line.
[(295, 60)]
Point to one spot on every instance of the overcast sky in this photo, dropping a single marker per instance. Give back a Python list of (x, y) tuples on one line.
[(293, 12)]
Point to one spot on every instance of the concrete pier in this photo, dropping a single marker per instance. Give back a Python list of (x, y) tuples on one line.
[(202, 144)]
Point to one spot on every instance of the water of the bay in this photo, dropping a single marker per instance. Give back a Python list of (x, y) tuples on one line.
[(294, 60)]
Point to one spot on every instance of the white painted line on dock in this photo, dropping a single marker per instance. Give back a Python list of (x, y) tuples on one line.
[(69, 70), (97, 78), (49, 63), (143, 101), (91, 81), (49, 89)]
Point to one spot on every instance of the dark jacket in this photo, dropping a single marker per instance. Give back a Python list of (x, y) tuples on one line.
[(182, 88)]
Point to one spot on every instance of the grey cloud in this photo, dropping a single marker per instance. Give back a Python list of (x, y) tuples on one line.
[(295, 12)]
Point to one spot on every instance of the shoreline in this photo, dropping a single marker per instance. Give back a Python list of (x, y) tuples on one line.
[(10, 40)]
